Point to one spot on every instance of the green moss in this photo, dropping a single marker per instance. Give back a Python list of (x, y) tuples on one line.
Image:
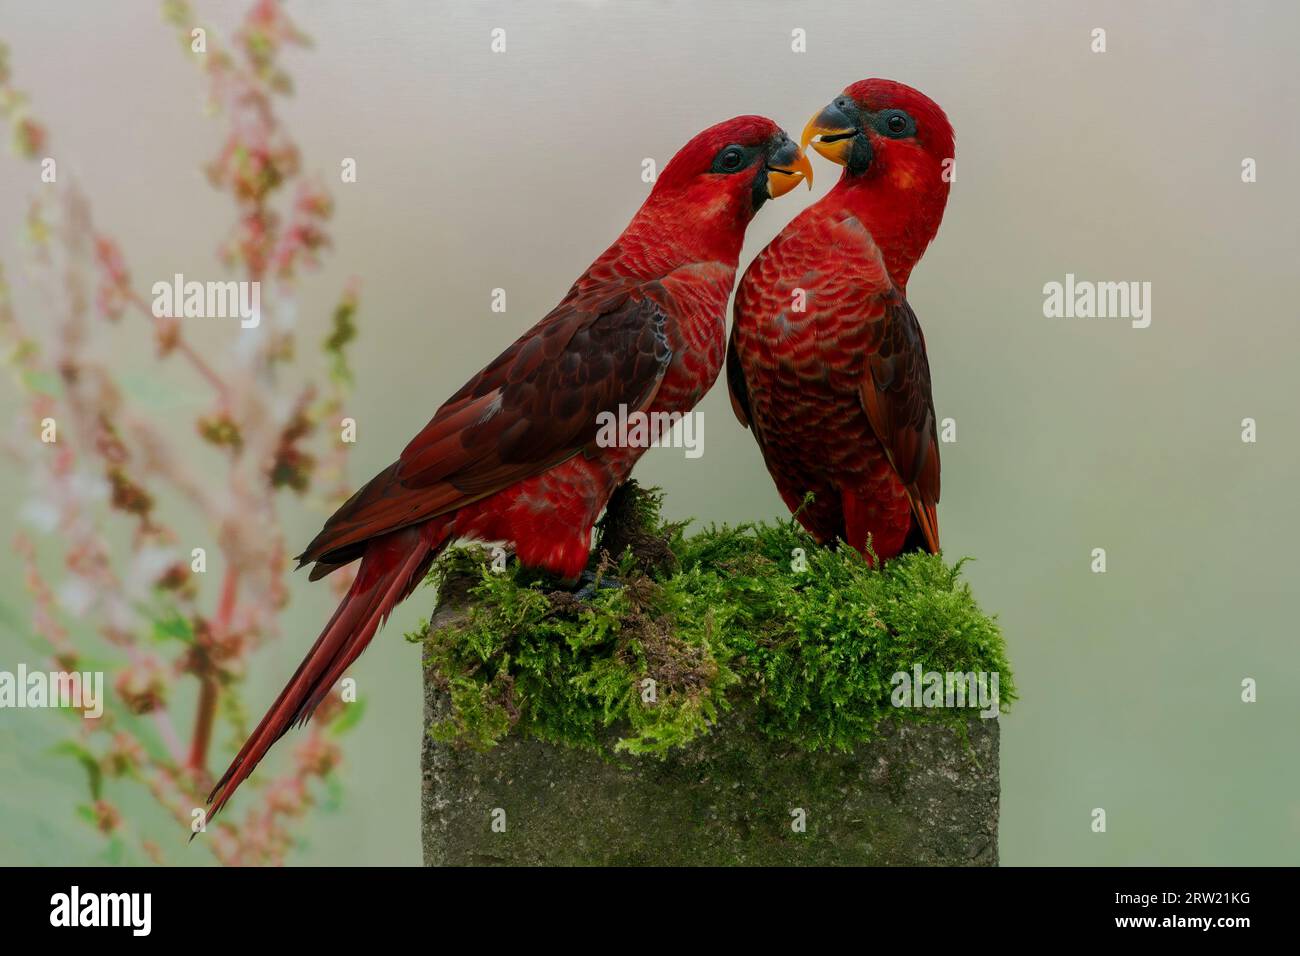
[(711, 619)]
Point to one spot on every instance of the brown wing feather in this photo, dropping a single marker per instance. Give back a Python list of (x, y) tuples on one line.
[(533, 407), (737, 390), (897, 398)]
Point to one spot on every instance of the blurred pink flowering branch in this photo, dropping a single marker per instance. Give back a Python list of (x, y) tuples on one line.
[(115, 463)]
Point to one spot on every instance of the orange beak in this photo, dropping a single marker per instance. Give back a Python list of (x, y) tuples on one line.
[(831, 133), (787, 168)]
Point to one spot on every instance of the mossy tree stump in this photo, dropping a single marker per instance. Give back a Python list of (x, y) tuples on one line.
[(911, 792)]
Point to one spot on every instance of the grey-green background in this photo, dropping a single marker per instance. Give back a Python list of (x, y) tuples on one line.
[(515, 170)]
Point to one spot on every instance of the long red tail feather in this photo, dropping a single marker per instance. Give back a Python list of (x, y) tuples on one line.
[(393, 565)]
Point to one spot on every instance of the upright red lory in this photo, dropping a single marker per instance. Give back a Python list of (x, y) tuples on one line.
[(827, 361), (513, 456)]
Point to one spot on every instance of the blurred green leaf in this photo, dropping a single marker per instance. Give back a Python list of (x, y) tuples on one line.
[(71, 748), (173, 626), (351, 716)]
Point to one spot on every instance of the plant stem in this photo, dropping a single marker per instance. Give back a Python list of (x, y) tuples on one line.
[(185, 349), (208, 690)]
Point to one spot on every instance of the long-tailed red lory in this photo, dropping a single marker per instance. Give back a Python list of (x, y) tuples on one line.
[(827, 362), (513, 457)]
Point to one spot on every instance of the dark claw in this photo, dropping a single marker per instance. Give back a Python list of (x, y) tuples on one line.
[(590, 585)]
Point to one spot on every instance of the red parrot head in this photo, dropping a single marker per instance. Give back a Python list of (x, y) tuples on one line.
[(896, 147), (723, 175), (883, 129)]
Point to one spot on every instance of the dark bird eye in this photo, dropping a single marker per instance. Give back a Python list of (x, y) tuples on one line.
[(897, 123), (729, 160)]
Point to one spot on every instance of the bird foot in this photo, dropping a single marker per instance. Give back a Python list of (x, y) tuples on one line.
[(591, 584)]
